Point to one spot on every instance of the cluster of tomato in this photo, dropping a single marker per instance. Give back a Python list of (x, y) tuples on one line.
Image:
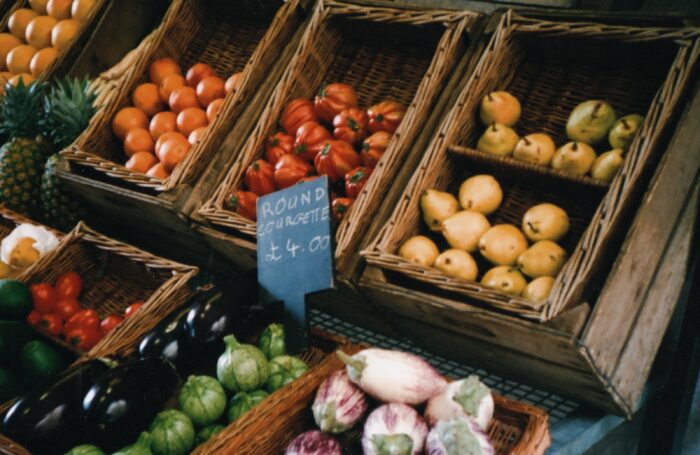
[(327, 136), (58, 312)]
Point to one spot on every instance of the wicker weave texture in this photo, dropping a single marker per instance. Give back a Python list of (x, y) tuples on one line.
[(551, 67)]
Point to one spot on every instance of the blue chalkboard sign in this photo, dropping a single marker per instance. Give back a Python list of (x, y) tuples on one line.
[(295, 253)]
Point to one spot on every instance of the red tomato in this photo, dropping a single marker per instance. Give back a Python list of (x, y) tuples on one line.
[(43, 297), (277, 145), (332, 99), (133, 308), (310, 139), (88, 319), (67, 307), (33, 317), (336, 159), (260, 178), (340, 206), (385, 116), (68, 285), (290, 169), (51, 323), (374, 147), (350, 125), (245, 203), (83, 338), (355, 180), (109, 323), (296, 114)]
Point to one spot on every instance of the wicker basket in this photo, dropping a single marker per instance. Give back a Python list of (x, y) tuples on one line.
[(516, 429), (550, 66), (230, 37), (64, 58), (396, 53)]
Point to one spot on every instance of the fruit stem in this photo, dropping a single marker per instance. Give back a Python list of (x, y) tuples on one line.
[(493, 126)]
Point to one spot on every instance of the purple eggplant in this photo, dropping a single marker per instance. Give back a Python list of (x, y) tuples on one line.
[(339, 404), (465, 398), (314, 443), (395, 429), (463, 436)]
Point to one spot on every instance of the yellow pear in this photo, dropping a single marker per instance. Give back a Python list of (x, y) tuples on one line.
[(498, 139), (457, 263), (544, 258), (590, 121), (536, 148), (419, 249), (575, 158), (623, 131), (24, 254), (502, 244), (481, 193), (505, 279), (464, 229), (500, 107), (437, 206), (5, 270), (545, 222), (538, 290), (605, 167)]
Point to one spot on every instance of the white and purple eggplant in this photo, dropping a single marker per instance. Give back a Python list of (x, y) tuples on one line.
[(464, 398), (339, 404), (314, 443), (461, 436), (394, 429), (393, 376)]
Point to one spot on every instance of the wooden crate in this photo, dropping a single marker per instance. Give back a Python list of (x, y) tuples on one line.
[(413, 74), (551, 66)]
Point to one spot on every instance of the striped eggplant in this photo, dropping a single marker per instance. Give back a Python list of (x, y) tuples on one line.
[(461, 436), (339, 403), (393, 376), (314, 443), (465, 398), (394, 429)]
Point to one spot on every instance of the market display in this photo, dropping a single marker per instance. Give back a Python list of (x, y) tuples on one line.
[(23, 247)]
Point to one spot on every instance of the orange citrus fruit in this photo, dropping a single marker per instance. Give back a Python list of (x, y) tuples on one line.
[(19, 58), (198, 72), (170, 83), (161, 68), (127, 119), (158, 171), (232, 82), (209, 89), (190, 119), (26, 79), (63, 33), (80, 9), (197, 135), (38, 5), (4, 79), (42, 60), (161, 123), (182, 98), (173, 151), (19, 20), (141, 162), (166, 137), (214, 108), (147, 98), (60, 9), (38, 32), (138, 140), (8, 42)]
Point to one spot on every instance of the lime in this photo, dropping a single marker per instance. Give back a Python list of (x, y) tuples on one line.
[(15, 300)]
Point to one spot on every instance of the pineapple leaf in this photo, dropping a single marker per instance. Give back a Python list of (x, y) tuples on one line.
[(68, 108), (21, 110)]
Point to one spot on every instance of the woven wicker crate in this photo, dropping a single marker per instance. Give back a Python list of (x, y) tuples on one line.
[(550, 66), (60, 65), (383, 52), (230, 37), (516, 429)]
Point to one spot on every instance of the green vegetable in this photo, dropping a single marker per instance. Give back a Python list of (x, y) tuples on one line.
[(9, 385), (140, 447), (283, 370), (14, 335), (172, 433), (15, 300), (243, 402), (242, 367), (85, 449), (206, 433), (40, 363), (272, 341), (203, 400)]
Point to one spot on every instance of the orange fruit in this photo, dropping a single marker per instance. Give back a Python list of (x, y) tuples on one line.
[(198, 72), (170, 83), (38, 5), (138, 140), (141, 162), (8, 42), (19, 20), (63, 33), (127, 119), (60, 9), (147, 98), (166, 137), (197, 135), (19, 58), (4, 79), (38, 31), (161, 68), (214, 108), (190, 119), (182, 98), (158, 171), (209, 89), (232, 82), (80, 9), (26, 79), (173, 151), (42, 60), (161, 123)]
